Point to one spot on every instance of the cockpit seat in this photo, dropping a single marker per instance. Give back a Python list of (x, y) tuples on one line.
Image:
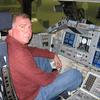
[(7, 91)]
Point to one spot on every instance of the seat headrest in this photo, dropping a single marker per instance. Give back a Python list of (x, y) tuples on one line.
[(5, 20)]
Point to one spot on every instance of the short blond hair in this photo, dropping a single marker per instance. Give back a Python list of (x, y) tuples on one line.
[(23, 15)]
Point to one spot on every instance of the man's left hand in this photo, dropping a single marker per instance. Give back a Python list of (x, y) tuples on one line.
[(57, 62)]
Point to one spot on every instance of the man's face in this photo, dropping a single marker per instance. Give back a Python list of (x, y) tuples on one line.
[(22, 30)]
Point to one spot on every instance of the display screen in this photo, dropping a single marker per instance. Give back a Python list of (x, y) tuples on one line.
[(98, 45), (84, 44), (96, 59), (69, 39)]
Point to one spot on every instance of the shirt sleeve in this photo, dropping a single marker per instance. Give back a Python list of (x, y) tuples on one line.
[(38, 52), (29, 70), (43, 78)]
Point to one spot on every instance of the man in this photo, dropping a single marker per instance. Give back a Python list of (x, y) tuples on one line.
[(30, 79)]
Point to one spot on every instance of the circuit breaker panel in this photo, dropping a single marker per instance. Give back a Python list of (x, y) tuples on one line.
[(41, 40)]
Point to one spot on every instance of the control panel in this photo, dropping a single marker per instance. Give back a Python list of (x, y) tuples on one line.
[(90, 89), (79, 42), (92, 84), (80, 95), (41, 40)]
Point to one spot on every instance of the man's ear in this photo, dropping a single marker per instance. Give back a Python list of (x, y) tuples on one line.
[(10, 32)]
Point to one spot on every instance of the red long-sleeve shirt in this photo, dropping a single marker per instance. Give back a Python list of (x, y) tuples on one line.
[(26, 76)]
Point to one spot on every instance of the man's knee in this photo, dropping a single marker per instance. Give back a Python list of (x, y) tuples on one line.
[(76, 75)]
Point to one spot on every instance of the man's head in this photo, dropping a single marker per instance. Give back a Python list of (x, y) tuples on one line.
[(21, 28)]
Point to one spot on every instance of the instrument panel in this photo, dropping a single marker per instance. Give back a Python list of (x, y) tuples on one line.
[(79, 42)]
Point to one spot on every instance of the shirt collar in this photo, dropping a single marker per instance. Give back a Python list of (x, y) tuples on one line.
[(12, 40)]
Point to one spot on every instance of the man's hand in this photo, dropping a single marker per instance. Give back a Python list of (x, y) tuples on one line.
[(57, 62)]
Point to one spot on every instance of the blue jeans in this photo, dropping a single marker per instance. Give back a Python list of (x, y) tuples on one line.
[(67, 81)]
